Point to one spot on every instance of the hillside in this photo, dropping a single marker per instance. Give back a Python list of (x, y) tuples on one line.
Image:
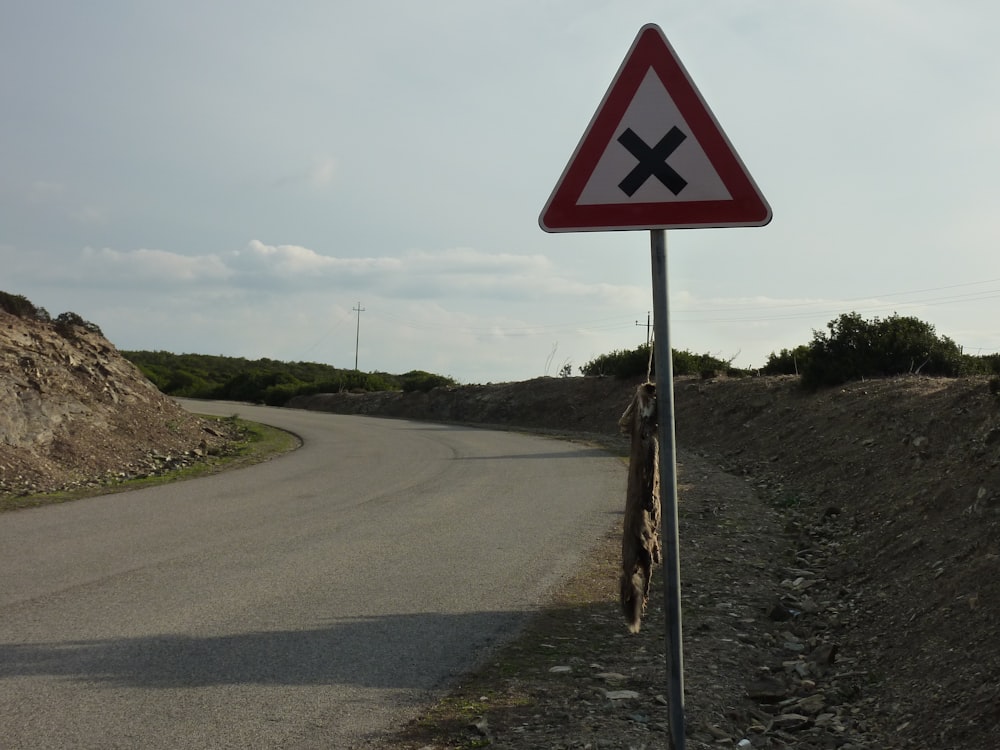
[(901, 478), (75, 412)]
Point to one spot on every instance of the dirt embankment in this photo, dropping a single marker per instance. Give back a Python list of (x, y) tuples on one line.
[(907, 473), (890, 491), (75, 412), (582, 405)]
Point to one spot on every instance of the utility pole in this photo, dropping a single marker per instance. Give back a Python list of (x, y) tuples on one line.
[(357, 339), (647, 327)]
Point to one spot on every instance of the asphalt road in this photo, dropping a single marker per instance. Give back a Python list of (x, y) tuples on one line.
[(314, 601)]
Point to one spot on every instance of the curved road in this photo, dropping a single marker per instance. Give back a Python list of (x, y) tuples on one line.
[(318, 600)]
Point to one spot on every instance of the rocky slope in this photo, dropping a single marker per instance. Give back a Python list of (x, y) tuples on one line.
[(76, 412), (900, 480)]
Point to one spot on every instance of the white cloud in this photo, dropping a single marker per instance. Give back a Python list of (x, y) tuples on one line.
[(422, 274), (470, 260), (145, 265), (456, 274), (300, 266)]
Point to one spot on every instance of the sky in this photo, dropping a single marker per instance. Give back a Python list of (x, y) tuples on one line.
[(333, 181)]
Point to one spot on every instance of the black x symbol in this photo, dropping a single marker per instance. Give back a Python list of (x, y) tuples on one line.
[(652, 161)]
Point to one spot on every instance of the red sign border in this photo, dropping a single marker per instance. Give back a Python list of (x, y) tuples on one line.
[(651, 49)]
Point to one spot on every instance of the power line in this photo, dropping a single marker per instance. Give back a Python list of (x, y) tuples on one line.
[(336, 324), (789, 305), (599, 324), (718, 314), (799, 315)]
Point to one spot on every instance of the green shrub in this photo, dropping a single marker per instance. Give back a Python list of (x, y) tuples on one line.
[(251, 385), (706, 365), (156, 375), (418, 380), (22, 307), (620, 363), (189, 385), (66, 324), (787, 361), (855, 348), (345, 380), (279, 395), (988, 364), (264, 380), (633, 363)]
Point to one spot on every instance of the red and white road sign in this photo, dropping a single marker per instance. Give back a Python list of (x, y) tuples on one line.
[(653, 156)]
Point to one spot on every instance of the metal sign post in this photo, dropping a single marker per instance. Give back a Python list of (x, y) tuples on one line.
[(654, 157), (668, 488)]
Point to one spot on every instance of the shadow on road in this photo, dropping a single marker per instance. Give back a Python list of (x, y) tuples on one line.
[(398, 651), (575, 453)]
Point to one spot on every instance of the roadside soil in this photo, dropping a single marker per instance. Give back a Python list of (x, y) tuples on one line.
[(840, 553)]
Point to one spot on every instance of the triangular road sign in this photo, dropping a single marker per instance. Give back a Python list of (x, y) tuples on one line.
[(653, 156)]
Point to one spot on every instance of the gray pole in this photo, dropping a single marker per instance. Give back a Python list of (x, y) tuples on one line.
[(668, 488), (357, 338)]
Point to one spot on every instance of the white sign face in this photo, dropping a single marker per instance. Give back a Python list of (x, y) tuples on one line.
[(653, 156), (654, 119)]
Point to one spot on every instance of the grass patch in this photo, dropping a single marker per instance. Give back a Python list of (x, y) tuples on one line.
[(260, 442)]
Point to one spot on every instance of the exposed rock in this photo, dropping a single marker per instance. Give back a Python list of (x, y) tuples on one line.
[(76, 413), (768, 689), (621, 695)]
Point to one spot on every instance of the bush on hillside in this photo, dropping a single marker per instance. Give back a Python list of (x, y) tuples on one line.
[(252, 384), (633, 363), (346, 380), (854, 348), (986, 364), (22, 307), (265, 380), (65, 323), (787, 361), (68, 322), (706, 365), (418, 380), (620, 363)]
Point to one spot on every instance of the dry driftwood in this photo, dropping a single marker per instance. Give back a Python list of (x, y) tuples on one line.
[(641, 533)]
